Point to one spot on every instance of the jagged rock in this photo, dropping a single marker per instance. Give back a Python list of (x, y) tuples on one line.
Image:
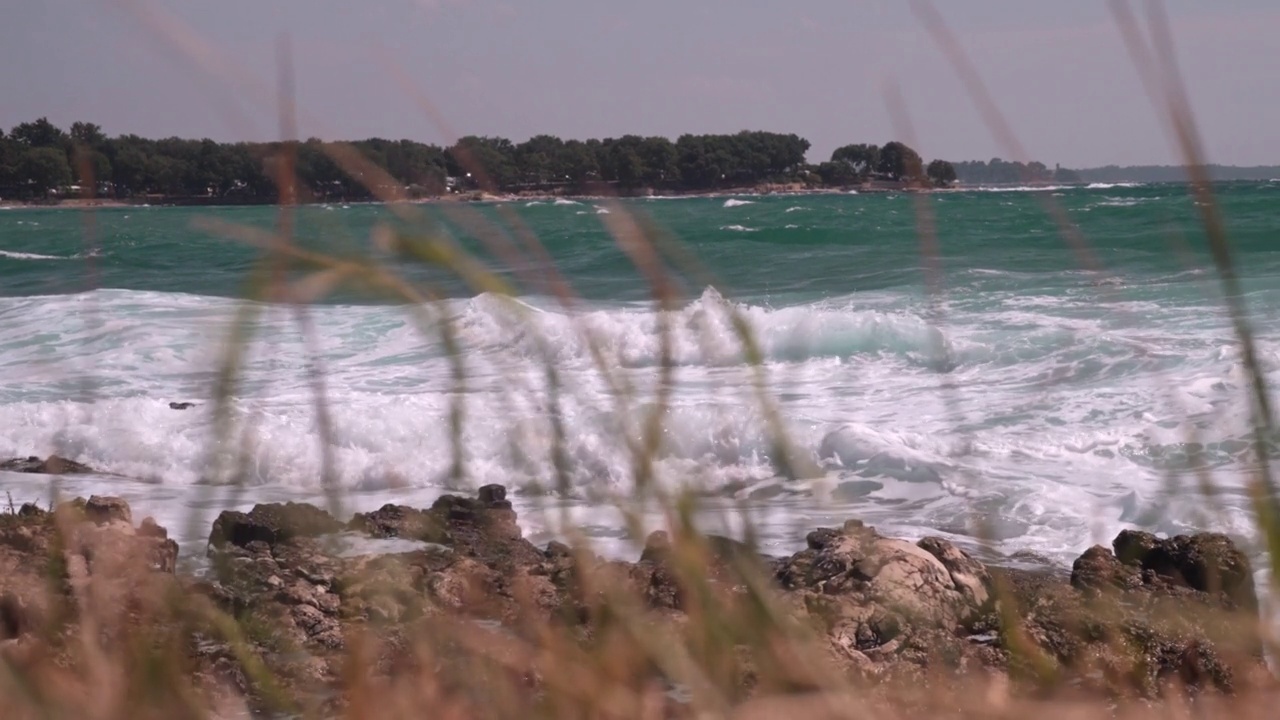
[(970, 576), (1131, 546), (881, 607), (1205, 562), (400, 521), (91, 553), (271, 568), (271, 523), (53, 465), (722, 551), (1135, 639), (486, 527), (18, 616), (1208, 562), (1182, 608), (1097, 569), (494, 496), (105, 509), (149, 528), (896, 603), (557, 550), (879, 574)]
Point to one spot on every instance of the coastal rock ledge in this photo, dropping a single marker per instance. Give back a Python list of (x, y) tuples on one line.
[(295, 595)]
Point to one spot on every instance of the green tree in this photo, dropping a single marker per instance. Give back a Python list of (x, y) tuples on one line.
[(167, 174), (96, 164), (660, 161), (40, 134), (9, 152), (417, 165), (622, 161), (492, 157), (581, 161), (539, 160), (44, 169), (316, 170), (899, 162), (129, 168), (703, 164), (88, 134), (862, 159), (941, 172), (838, 174)]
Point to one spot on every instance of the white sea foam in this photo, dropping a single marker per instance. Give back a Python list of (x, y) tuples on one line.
[(1061, 428), (14, 255), (1019, 188), (734, 202), (1108, 186), (565, 201), (796, 208), (739, 228)]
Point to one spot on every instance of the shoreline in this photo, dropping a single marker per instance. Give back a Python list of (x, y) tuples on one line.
[(480, 196), (476, 197)]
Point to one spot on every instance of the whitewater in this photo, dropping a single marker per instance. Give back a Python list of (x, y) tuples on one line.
[(1031, 408)]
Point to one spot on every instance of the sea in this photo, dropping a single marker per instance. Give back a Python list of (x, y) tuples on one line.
[(1024, 371)]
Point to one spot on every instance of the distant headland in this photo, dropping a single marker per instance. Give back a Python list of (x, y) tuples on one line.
[(41, 163)]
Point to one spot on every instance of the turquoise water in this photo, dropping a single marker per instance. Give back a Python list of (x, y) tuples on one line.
[(1045, 402)]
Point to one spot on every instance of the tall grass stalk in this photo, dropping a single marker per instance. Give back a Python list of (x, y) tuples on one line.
[(614, 674)]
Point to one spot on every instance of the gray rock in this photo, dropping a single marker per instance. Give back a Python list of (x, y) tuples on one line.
[(104, 509), (401, 522), (969, 575), (1097, 570), (271, 524), (53, 465)]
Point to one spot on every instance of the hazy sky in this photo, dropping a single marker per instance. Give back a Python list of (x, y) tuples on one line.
[(599, 68)]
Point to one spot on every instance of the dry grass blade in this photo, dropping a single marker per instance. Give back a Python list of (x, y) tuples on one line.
[(701, 626), (1159, 72), (1000, 128), (287, 182)]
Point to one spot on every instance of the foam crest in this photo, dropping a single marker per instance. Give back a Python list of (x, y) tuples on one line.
[(703, 332), (1018, 188), (14, 255), (881, 453)]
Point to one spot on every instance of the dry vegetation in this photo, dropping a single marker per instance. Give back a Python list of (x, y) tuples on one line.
[(99, 633)]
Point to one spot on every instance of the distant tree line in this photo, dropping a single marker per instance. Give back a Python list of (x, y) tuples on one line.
[(39, 159), (1175, 173), (1003, 172), (1006, 172)]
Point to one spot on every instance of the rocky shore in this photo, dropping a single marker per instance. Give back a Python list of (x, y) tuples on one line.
[(295, 601)]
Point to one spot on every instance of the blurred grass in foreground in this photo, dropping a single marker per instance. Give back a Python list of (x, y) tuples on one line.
[(609, 674)]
